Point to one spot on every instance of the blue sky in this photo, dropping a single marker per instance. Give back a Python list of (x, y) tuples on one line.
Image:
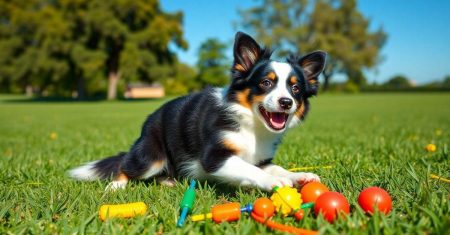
[(418, 44)]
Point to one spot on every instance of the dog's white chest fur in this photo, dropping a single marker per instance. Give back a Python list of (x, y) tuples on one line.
[(254, 142)]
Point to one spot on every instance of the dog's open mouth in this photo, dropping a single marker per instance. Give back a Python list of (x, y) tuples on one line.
[(276, 120)]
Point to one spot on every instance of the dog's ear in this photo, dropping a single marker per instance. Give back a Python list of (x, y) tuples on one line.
[(312, 65), (246, 52)]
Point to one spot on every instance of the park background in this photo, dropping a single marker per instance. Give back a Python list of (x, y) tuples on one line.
[(65, 65), (96, 49)]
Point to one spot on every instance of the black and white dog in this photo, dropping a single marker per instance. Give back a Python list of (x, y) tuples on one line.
[(225, 134)]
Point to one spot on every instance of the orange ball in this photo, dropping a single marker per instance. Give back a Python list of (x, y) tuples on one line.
[(311, 191), (264, 207)]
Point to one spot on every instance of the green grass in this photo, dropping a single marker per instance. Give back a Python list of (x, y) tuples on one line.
[(370, 140)]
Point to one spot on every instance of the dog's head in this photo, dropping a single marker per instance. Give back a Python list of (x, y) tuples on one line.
[(276, 92)]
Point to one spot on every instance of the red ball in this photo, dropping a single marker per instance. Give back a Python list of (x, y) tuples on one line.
[(264, 207), (331, 204), (373, 197), (299, 214), (311, 191)]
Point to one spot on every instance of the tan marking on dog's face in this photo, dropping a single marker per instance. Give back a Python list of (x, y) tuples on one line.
[(300, 112), (312, 81), (231, 146), (258, 98), (272, 76), (242, 98), (293, 80), (239, 68)]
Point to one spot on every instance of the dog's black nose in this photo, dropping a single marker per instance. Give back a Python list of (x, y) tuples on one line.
[(285, 103)]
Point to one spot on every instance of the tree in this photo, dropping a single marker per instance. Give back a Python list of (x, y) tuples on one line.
[(33, 43), (398, 82), (181, 80), (212, 63), (62, 44), (335, 26), (446, 82)]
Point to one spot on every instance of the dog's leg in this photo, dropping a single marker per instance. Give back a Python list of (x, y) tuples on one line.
[(118, 183), (167, 181), (122, 179), (153, 169), (298, 178), (236, 170)]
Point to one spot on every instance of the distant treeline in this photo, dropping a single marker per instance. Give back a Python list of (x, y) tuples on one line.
[(397, 83), (95, 48)]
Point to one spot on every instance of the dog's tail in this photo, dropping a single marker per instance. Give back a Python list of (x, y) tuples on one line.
[(101, 169)]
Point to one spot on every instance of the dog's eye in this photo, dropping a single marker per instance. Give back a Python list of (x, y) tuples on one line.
[(266, 83), (295, 89)]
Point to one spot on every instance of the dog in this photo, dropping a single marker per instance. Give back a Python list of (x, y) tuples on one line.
[(223, 134)]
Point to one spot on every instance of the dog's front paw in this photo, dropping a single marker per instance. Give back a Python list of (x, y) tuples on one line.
[(272, 181), (303, 178)]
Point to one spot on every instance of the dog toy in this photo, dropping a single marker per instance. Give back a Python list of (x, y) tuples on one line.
[(439, 178), (286, 200), (309, 168), (261, 211), (330, 204), (374, 197), (127, 210), (281, 227), (224, 212), (264, 207), (186, 203), (311, 191)]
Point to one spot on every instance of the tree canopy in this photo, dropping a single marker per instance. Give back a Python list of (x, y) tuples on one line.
[(397, 82), (212, 63), (335, 26), (59, 46)]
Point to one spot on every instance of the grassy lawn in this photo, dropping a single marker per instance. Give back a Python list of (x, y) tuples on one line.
[(370, 140)]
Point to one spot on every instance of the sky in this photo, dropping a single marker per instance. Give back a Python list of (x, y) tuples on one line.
[(418, 44)]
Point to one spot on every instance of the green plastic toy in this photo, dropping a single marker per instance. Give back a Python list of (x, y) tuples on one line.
[(186, 203)]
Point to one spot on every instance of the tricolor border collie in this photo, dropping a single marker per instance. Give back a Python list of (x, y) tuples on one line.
[(223, 134)]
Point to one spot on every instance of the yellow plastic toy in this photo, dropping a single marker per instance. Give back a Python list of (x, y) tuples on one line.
[(286, 200), (127, 210)]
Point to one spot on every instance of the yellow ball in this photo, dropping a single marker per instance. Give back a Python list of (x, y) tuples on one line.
[(430, 148), (286, 200)]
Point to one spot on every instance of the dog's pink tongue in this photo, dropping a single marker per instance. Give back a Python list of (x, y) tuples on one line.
[(277, 120)]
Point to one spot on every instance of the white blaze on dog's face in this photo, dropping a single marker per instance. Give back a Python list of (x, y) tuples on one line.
[(276, 92), (279, 105)]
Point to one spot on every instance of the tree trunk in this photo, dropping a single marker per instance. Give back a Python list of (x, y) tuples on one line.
[(29, 91), (327, 73), (81, 88), (326, 83), (113, 81)]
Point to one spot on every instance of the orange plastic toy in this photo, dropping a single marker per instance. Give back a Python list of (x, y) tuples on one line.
[(224, 212), (277, 226), (311, 191), (264, 207)]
